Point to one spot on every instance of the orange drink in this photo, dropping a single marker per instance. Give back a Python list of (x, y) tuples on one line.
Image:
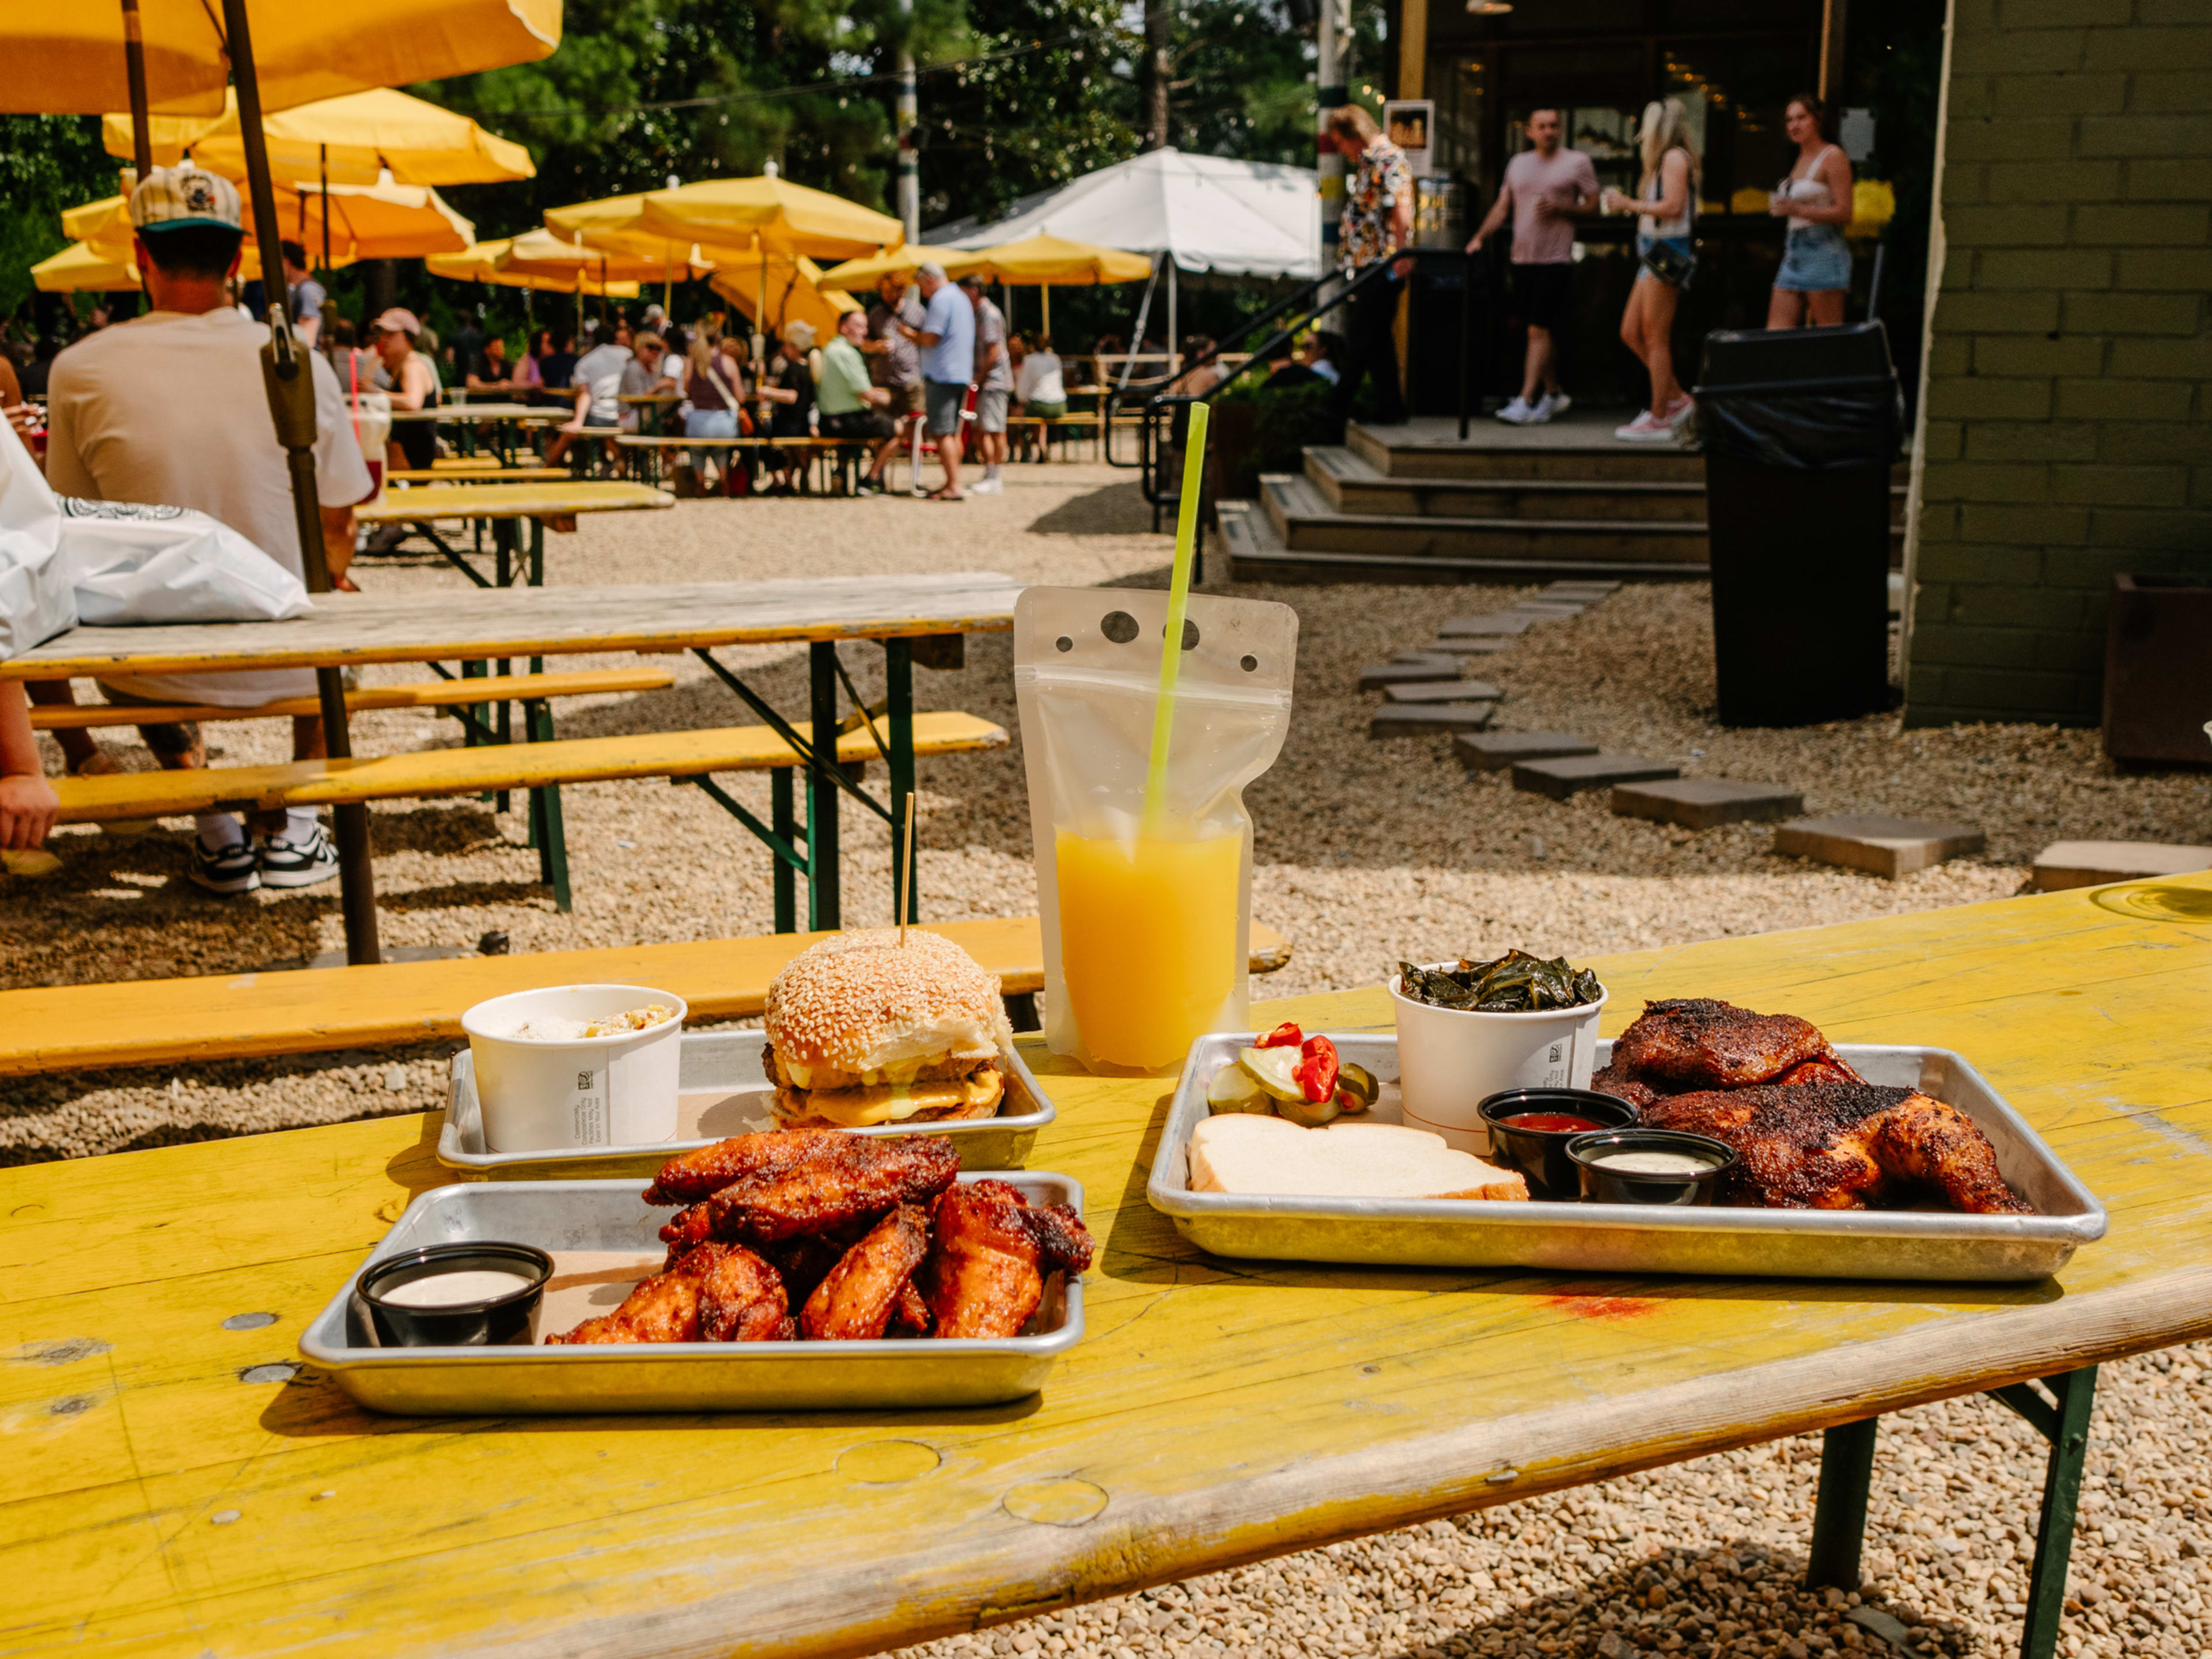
[(1148, 941)]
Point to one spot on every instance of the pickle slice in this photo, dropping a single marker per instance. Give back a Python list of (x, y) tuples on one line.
[(1236, 1089), (1308, 1114), (1271, 1069), (1361, 1083)]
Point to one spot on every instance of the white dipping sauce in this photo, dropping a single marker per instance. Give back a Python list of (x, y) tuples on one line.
[(452, 1289), (1654, 1163)]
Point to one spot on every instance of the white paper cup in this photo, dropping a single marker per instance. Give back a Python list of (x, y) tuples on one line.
[(1451, 1060), (541, 1095), (1475, 1140)]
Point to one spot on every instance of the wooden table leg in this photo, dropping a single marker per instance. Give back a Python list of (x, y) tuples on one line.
[(898, 690), (822, 897), (1839, 1510)]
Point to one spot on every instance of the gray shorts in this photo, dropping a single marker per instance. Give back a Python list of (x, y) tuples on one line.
[(991, 410), (944, 398), (170, 740)]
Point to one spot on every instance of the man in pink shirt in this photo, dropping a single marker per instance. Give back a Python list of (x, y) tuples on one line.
[(1545, 186)]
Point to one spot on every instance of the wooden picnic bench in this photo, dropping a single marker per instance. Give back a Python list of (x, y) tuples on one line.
[(842, 453), (249, 1016), (1216, 1414), (445, 693), (489, 472), (500, 504)]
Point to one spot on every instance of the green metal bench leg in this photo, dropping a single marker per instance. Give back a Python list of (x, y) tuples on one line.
[(1839, 1510), (899, 692), (2067, 1430), (821, 839), (547, 833), (784, 820)]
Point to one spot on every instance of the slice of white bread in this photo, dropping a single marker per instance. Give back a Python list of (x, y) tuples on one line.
[(1248, 1152)]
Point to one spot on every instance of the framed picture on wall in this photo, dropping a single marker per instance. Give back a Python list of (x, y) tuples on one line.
[(1410, 124)]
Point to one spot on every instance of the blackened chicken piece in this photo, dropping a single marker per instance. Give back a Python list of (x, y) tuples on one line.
[(1700, 1044), (853, 1178), (856, 1300)]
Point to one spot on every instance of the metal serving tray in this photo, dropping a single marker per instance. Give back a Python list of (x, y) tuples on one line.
[(1610, 1238), (602, 1240), (724, 1090)]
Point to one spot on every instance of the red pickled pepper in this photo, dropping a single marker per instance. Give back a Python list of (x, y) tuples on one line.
[(1285, 1035), (1315, 1071)]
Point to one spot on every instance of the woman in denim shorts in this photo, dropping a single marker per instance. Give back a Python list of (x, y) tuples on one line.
[(1816, 201), (1666, 204)]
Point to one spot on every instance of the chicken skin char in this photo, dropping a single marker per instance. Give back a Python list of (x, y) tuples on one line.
[(856, 1178), (1697, 1043), (1842, 1146), (715, 1293), (985, 1274), (857, 1298)]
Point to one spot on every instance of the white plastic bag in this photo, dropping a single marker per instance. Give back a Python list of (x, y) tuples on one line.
[(1147, 925), (63, 561)]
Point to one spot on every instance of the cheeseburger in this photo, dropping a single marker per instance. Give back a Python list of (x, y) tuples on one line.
[(862, 1031)]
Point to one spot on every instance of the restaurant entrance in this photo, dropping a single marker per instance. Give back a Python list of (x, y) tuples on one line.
[(1733, 64)]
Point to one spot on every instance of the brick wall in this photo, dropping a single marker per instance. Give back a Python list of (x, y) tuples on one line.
[(2066, 399)]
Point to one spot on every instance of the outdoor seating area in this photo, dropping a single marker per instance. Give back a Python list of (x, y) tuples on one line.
[(679, 978)]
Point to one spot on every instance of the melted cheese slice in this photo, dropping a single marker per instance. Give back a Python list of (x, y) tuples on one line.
[(894, 1103)]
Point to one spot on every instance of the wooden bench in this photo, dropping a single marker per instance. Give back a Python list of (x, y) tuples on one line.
[(249, 1016), (839, 452), (491, 472), (427, 693), (540, 766)]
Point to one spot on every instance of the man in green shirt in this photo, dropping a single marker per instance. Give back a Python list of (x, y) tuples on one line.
[(852, 404)]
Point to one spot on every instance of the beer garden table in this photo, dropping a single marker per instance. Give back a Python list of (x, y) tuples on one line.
[(505, 420), (178, 1485), (488, 501), (916, 618)]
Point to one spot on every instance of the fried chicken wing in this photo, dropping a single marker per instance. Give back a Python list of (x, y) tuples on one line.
[(912, 1315), (860, 1178), (1842, 1146), (1700, 1044), (742, 1298), (856, 1301), (1063, 1242), (982, 1278), (703, 1173), (661, 1307)]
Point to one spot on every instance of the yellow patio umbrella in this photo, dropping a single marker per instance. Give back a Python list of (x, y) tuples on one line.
[(488, 262), (779, 291), (902, 261), (91, 268), (365, 222), (66, 57), (758, 215), (1046, 262), (352, 140)]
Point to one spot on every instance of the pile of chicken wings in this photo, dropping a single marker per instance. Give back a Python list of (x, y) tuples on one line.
[(820, 1235)]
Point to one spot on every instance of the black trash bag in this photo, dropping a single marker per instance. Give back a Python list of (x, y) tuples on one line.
[(1803, 399)]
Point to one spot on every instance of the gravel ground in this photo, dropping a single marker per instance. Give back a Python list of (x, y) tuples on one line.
[(1367, 852)]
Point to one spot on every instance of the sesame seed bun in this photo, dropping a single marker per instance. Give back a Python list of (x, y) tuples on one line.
[(859, 1002)]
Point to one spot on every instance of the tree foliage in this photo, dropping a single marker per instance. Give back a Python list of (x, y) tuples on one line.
[(47, 162)]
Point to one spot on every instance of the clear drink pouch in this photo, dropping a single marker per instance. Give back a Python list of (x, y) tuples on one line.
[(1147, 922)]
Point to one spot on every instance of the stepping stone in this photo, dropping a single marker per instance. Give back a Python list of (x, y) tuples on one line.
[(1888, 845), (1393, 720), (2087, 863), (1407, 673), (1707, 803), (1444, 692), (1470, 647), (1426, 659), (1549, 610), (1569, 774), (1493, 751), (1502, 622)]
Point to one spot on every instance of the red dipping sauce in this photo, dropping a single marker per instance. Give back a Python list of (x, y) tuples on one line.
[(1550, 1122)]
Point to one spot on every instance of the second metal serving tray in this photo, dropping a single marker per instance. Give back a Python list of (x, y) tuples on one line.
[(722, 1090), (601, 1237), (1610, 1238)]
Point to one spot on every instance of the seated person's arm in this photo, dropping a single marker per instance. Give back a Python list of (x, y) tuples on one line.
[(27, 804), (876, 397), (583, 408)]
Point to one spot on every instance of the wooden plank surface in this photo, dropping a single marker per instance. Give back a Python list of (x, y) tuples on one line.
[(425, 774), (427, 693), (490, 471), (522, 621), (240, 1016), (462, 413), (502, 499), (1217, 1411)]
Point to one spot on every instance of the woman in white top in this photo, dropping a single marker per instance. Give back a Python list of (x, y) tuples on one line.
[(1666, 203), (1816, 201), (1039, 386)]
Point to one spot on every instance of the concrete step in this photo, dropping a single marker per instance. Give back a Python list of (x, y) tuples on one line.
[(1257, 553), (1579, 446), (1569, 774), (1393, 721), (1496, 750), (1306, 522), (1350, 484), (1443, 691), (1705, 803), (1891, 847)]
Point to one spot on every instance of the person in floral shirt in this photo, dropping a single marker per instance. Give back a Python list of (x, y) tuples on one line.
[(1378, 216)]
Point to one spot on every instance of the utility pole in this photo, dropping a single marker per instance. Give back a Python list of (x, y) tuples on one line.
[(1159, 19), (1329, 93), (909, 120)]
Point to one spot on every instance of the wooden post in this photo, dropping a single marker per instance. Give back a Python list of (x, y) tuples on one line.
[(1414, 46), (1833, 14)]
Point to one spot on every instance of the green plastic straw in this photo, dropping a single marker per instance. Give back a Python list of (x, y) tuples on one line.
[(1194, 471)]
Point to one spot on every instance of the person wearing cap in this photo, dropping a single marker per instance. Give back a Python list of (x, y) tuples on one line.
[(645, 375), (305, 294), (994, 382), (396, 335), (946, 336), (169, 408)]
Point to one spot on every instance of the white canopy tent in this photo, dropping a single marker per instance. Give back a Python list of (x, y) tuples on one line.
[(1193, 213)]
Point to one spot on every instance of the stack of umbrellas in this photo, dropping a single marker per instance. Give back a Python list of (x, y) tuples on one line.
[(1041, 262)]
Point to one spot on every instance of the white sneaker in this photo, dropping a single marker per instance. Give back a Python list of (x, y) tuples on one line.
[(280, 862), (1518, 412), (1644, 430), (1681, 411), (233, 869), (1560, 404), (1544, 410), (987, 487)]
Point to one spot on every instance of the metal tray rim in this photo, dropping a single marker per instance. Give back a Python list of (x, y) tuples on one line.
[(452, 1156), (1176, 1201), (334, 1357)]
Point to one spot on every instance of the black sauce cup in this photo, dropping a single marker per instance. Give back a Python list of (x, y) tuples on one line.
[(1541, 1155), (489, 1323), (1602, 1186)]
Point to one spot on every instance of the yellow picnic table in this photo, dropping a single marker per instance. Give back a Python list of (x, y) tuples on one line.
[(177, 1486), (501, 505), (504, 419)]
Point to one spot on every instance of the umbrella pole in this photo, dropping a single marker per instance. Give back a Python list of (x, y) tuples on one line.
[(1044, 298), (287, 375), (324, 167), (134, 71)]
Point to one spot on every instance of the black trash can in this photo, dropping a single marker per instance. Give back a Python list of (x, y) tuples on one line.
[(1800, 427)]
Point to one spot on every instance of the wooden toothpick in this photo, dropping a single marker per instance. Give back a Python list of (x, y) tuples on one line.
[(906, 865)]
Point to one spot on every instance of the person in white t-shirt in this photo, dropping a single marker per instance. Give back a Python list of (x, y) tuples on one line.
[(597, 379), (168, 408)]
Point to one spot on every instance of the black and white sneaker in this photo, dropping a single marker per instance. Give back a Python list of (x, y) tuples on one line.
[(234, 869), (286, 863)]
